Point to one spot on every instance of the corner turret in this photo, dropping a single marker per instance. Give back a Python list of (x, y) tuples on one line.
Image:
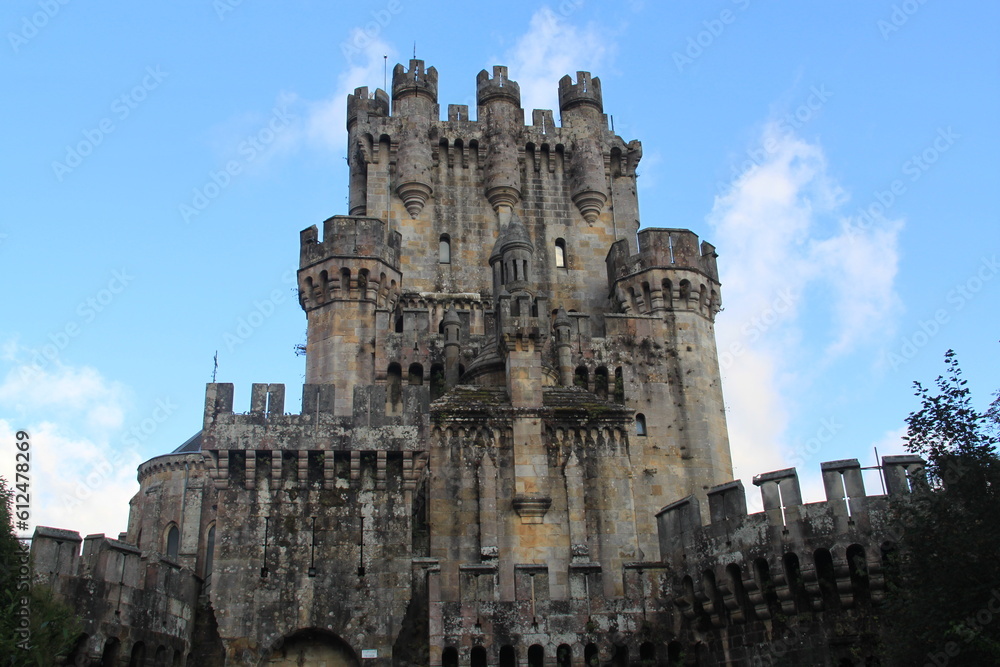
[(500, 111), (414, 90)]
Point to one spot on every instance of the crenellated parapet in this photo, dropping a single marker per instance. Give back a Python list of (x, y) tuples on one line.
[(170, 463), (416, 81), (791, 558), (362, 106), (117, 590), (267, 446), (498, 87), (357, 260), (670, 272), (586, 91)]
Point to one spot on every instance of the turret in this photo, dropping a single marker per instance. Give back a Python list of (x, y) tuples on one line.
[(564, 345), (343, 280), (451, 325), (361, 108), (511, 259), (582, 111), (414, 98), (501, 114)]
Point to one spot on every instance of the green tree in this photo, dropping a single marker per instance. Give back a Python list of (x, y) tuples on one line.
[(53, 629), (944, 603)]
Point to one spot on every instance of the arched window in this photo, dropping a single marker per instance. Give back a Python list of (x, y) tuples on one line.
[(640, 424), (582, 377), (508, 657), (560, 253), (437, 381), (564, 656), (619, 385), (536, 656), (858, 565), (647, 654), (601, 382), (393, 389), (210, 551), (590, 656), (173, 542), (449, 657), (111, 650), (478, 657), (444, 249), (138, 657), (415, 374), (827, 577)]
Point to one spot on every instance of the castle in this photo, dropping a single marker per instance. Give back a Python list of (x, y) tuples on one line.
[(512, 444)]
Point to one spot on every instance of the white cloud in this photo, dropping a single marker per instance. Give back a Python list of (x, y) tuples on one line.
[(81, 477), (793, 264), (552, 48), (326, 120)]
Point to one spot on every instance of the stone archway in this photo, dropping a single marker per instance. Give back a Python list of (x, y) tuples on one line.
[(313, 648)]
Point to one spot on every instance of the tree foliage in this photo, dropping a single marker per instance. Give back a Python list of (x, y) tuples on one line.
[(52, 627), (944, 604)]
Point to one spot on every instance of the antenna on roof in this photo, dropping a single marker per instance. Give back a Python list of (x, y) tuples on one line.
[(385, 72), (215, 367), (414, 49)]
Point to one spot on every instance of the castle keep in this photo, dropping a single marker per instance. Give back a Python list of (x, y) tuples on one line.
[(511, 447)]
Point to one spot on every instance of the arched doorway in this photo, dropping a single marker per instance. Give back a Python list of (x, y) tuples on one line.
[(313, 647)]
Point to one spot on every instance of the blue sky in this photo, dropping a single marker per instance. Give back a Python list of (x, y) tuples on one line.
[(841, 156)]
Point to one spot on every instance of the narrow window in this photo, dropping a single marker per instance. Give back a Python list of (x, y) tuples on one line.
[(210, 551), (449, 657), (444, 249), (560, 253), (173, 541), (640, 424), (536, 656)]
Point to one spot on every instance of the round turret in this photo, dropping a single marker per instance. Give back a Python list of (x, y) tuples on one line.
[(500, 87), (501, 115), (585, 93), (360, 105), (414, 90)]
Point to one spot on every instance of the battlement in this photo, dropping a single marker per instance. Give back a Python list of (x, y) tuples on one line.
[(586, 91), (361, 105), (415, 81), (169, 463), (499, 87), (114, 581), (816, 556), (664, 249), (267, 426), (350, 236)]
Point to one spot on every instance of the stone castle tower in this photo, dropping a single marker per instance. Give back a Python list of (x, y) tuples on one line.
[(505, 382)]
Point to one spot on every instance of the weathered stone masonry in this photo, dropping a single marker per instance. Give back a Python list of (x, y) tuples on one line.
[(508, 388)]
